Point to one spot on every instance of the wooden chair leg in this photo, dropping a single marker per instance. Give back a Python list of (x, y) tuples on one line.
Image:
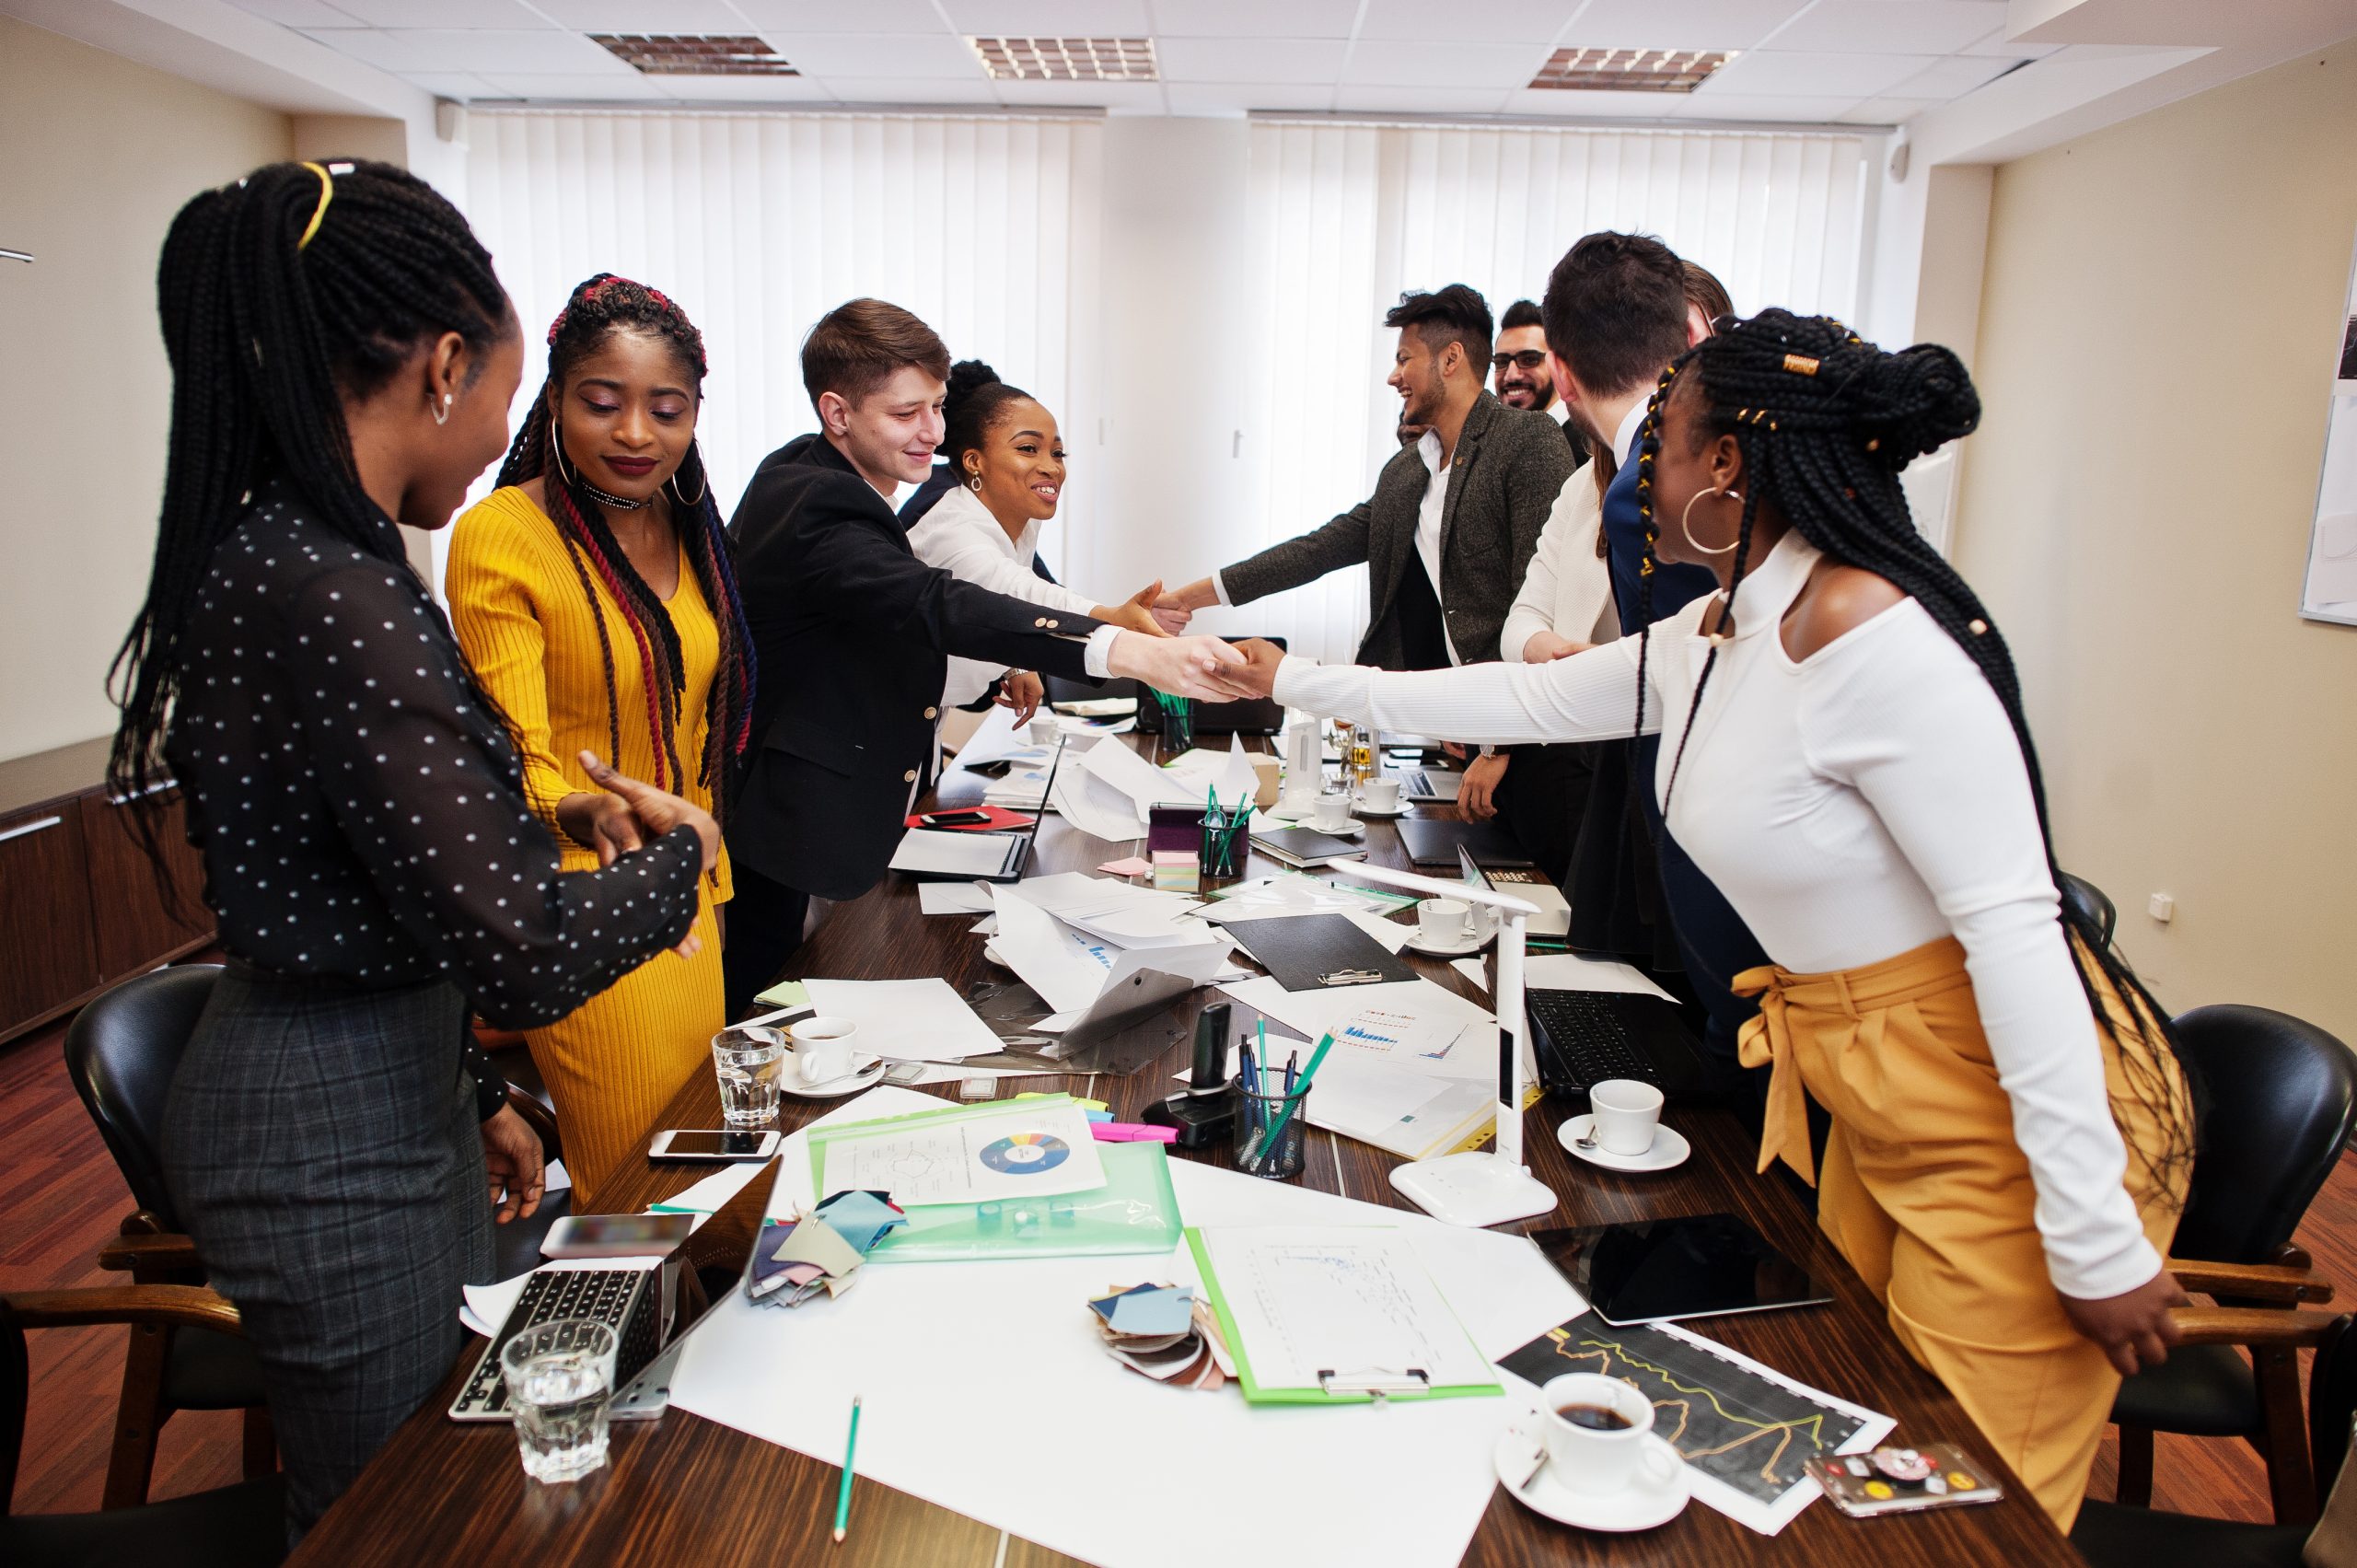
[(260, 1442), (2291, 1479), (2135, 1466), (137, 1418)]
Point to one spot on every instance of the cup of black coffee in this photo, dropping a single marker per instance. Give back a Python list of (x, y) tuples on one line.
[(1595, 1429)]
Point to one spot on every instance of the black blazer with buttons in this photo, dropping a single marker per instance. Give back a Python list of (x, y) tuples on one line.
[(853, 635)]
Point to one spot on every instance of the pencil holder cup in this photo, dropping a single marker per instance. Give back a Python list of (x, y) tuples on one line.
[(1177, 724), (1222, 854), (1272, 1132)]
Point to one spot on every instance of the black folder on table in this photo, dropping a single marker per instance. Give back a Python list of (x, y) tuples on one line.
[(1431, 841), (1303, 952)]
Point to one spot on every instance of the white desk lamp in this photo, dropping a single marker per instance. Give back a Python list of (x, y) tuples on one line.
[(1492, 1187)]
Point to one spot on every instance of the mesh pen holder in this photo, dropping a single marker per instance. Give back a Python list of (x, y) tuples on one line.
[(1272, 1132), (1178, 723), (1222, 851)]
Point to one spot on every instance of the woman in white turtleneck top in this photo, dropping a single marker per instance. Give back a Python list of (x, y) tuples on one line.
[(1008, 458), (1844, 756)]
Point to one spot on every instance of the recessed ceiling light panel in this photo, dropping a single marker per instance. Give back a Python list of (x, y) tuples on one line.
[(694, 54), (1630, 70), (1066, 59)]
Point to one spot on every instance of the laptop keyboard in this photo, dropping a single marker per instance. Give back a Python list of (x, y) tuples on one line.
[(1588, 1038), (605, 1296)]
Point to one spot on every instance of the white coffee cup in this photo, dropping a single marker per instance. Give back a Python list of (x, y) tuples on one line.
[(1331, 813), (1443, 922), (824, 1049), (1380, 793), (1042, 730), (1626, 1112), (1603, 1457)]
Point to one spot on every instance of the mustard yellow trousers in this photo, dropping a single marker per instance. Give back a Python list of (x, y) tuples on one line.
[(1928, 1196)]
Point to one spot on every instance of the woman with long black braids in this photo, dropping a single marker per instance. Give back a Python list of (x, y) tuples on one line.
[(343, 358), (2012, 1131), (593, 595)]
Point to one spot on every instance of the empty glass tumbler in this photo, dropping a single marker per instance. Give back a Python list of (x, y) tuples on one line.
[(748, 1060), (559, 1378)]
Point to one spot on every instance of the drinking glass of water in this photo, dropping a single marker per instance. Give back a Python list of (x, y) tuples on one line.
[(748, 1060), (560, 1377)]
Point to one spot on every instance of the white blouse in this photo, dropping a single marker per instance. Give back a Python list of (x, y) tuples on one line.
[(1851, 806), (959, 535), (1568, 587)]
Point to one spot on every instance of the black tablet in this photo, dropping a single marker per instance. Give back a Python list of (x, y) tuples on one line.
[(1655, 1270)]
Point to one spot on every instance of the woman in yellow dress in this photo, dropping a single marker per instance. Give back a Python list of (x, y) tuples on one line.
[(592, 594)]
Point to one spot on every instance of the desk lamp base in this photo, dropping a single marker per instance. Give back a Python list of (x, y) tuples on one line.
[(1481, 1188)]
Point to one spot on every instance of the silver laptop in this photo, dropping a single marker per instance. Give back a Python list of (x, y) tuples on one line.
[(1554, 916), (1427, 786)]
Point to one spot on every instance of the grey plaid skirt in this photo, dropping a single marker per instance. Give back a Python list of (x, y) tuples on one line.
[(320, 1146)]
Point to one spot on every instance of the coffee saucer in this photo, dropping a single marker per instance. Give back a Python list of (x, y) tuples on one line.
[(867, 1077), (1353, 830), (1377, 813), (1639, 1504), (1671, 1149), (1457, 949)]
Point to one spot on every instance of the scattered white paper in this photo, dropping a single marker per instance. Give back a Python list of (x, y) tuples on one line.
[(905, 1018), (1570, 971), (996, 738), (954, 898), (1474, 970), (1404, 1023), (1093, 806), (1144, 784), (943, 853), (1018, 1149), (709, 1195), (1071, 969)]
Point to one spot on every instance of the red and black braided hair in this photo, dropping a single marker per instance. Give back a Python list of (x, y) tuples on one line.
[(599, 308)]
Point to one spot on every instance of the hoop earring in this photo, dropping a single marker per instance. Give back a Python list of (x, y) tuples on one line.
[(1688, 533), (575, 481), (701, 489), (441, 415), (975, 485)]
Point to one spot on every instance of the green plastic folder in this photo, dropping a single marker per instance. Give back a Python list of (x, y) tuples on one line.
[(1258, 1392)]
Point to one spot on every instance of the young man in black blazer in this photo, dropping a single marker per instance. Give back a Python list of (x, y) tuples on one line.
[(853, 632)]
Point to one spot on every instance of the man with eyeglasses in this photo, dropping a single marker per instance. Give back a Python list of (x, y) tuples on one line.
[(1518, 371)]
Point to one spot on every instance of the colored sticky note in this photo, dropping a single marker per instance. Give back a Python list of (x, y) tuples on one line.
[(1135, 866), (784, 993), (861, 1218), (1148, 1309)]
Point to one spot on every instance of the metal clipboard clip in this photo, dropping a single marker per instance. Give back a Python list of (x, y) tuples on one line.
[(1352, 977), (1379, 1385)]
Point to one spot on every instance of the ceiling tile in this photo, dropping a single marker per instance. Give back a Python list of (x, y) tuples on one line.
[(744, 89), (1128, 97), (1254, 18), (645, 16), (1494, 22), (1953, 77), (1676, 24), (878, 54), (462, 14), (1049, 19), (298, 13), (1294, 60), (1419, 100), (483, 52), (458, 85), (1563, 103), (574, 87), (1766, 72), (1241, 97), (1888, 110), (793, 18), (1997, 45), (1889, 27), (1796, 108), (1499, 66)]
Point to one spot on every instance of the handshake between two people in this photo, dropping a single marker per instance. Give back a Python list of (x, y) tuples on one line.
[(1210, 669)]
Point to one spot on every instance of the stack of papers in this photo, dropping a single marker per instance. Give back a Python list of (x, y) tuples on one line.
[(1067, 957)]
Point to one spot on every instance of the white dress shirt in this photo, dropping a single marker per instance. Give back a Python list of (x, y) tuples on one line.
[(959, 535), (1851, 806), (1568, 589)]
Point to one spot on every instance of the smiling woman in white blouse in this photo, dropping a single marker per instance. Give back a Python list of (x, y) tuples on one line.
[(1847, 759), (1002, 446)]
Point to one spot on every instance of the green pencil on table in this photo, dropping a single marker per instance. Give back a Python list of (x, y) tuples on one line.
[(842, 1497)]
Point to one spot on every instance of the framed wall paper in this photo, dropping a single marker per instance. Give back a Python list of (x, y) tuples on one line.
[(2330, 593)]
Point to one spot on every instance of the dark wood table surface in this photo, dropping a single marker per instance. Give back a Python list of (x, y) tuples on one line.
[(692, 1492)]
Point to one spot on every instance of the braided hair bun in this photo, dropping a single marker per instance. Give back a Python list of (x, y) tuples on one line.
[(1916, 401), (976, 398)]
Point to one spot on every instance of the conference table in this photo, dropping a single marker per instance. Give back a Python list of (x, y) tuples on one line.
[(692, 1492)]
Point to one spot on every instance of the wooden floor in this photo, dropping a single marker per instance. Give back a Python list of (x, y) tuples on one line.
[(61, 1200)]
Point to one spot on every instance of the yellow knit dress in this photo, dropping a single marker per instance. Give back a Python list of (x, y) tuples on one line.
[(518, 607)]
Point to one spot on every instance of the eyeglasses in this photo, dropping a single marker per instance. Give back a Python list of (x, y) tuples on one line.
[(1528, 359)]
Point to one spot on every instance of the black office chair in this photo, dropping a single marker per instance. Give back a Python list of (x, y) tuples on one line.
[(231, 1527), (2083, 897), (2115, 1535), (2280, 1098)]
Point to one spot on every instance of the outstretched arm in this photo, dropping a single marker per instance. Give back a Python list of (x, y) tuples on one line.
[(1590, 696)]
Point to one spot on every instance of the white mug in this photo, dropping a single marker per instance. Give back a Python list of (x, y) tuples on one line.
[(1042, 730), (824, 1049), (1331, 813), (1600, 1457), (1626, 1112), (1442, 922), (1380, 793)]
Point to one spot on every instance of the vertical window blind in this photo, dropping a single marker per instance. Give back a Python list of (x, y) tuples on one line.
[(1346, 216), (758, 223)]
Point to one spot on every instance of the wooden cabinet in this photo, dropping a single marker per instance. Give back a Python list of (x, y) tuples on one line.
[(80, 904)]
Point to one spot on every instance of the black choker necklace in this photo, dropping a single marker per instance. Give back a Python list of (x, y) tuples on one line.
[(618, 502)]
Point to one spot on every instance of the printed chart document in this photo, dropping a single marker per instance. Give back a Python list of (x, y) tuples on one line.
[(1414, 1024), (1311, 1309), (1021, 1149)]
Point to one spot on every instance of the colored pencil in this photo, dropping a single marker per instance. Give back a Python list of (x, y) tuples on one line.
[(1316, 1059), (842, 1497)]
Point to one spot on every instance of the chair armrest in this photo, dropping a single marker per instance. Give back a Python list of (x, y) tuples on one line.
[(176, 1307), (2288, 1284), (539, 1119), (2254, 1326), (137, 1252)]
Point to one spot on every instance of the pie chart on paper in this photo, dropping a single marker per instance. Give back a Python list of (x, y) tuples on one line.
[(1025, 1154)]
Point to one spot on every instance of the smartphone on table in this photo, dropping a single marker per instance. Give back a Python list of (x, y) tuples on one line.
[(713, 1145)]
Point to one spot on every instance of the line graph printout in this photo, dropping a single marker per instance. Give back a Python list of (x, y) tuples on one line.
[(1742, 1428)]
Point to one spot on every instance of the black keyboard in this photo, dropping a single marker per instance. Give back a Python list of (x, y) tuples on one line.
[(626, 1297), (1589, 1040)]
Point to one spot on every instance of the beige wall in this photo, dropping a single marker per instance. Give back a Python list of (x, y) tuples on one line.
[(96, 156), (2158, 322)]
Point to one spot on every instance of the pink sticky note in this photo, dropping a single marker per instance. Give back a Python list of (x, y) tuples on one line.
[(1131, 1132), (1133, 867)]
